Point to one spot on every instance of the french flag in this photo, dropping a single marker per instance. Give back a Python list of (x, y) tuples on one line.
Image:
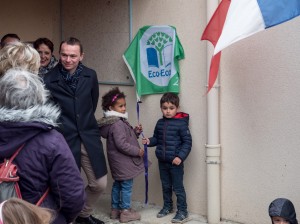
[(235, 20)]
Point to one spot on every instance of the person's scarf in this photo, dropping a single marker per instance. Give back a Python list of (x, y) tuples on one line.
[(71, 79), (110, 113), (49, 67)]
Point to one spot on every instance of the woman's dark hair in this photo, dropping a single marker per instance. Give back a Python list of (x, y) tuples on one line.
[(45, 41), (170, 98), (110, 98)]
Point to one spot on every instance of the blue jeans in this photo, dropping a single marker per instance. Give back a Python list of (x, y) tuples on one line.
[(171, 177), (121, 194)]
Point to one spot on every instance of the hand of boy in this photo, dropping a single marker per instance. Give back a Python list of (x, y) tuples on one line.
[(176, 161), (145, 141)]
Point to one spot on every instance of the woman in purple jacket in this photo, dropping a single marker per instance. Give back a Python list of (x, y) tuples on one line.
[(123, 152), (45, 161)]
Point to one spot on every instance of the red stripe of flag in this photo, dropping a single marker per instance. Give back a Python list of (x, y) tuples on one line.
[(212, 33)]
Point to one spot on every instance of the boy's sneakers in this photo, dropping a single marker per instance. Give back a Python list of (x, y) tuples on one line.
[(115, 213), (128, 215), (180, 217), (164, 212)]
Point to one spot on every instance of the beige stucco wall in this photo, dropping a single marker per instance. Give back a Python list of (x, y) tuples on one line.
[(31, 19), (260, 123), (259, 106), (103, 29)]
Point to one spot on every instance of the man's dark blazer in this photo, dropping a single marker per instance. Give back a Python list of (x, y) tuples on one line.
[(78, 122)]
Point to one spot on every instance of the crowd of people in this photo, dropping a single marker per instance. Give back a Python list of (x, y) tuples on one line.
[(48, 107)]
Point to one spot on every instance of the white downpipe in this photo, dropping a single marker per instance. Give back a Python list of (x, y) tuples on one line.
[(213, 147)]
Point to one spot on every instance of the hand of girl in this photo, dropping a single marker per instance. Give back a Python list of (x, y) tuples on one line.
[(138, 129), (141, 152)]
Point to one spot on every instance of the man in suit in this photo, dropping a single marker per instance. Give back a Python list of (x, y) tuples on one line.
[(75, 88)]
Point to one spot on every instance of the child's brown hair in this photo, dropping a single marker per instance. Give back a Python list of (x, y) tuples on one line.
[(170, 98)]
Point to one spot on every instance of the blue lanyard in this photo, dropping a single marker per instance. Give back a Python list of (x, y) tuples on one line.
[(145, 157)]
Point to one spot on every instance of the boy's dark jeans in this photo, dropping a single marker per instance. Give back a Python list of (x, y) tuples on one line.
[(171, 177)]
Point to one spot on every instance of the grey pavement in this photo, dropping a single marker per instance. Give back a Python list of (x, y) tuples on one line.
[(148, 213)]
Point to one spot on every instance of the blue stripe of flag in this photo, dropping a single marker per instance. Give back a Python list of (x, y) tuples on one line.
[(275, 12)]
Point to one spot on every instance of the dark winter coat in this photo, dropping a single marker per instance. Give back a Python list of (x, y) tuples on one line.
[(284, 208), (172, 138), (78, 122), (122, 148), (45, 160)]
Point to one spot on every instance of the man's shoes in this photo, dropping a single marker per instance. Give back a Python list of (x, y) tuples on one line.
[(164, 212), (115, 213), (88, 220), (180, 217), (128, 215)]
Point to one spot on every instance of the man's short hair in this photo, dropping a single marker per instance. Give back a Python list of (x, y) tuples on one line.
[(11, 35), (72, 41)]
